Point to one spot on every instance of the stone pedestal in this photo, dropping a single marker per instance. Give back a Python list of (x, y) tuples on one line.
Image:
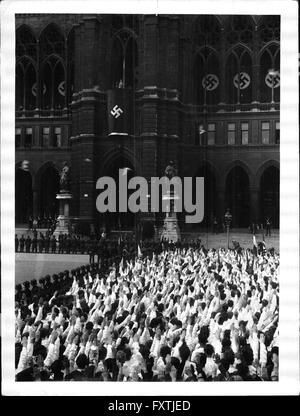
[(63, 219), (171, 231)]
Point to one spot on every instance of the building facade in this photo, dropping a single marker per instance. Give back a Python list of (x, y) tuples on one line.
[(103, 92)]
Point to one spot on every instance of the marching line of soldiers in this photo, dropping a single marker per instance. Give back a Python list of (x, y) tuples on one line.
[(47, 243)]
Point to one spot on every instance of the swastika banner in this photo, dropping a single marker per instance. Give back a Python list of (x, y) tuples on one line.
[(120, 110)]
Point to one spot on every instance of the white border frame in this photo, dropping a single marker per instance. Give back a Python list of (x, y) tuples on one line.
[(288, 383)]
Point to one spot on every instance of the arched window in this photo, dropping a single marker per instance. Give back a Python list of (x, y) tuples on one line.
[(124, 60), (270, 29), (53, 79), (206, 77), (239, 30), (26, 52), (239, 76), (25, 85), (52, 42), (130, 21), (207, 31), (270, 80), (26, 44), (53, 82)]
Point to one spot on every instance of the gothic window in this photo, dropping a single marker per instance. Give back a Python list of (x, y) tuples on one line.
[(119, 22), (53, 79), (25, 85), (239, 77), (124, 60), (206, 78), (270, 75), (270, 29), (207, 31), (25, 43), (239, 30), (52, 42)]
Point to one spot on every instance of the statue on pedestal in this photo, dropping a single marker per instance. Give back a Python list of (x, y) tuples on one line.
[(170, 173), (64, 180), (171, 170)]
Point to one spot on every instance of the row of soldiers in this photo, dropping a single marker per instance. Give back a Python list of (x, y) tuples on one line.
[(72, 244), (47, 243)]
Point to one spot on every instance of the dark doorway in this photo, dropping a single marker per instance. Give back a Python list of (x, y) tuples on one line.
[(23, 196), (269, 195), (238, 197), (49, 188), (118, 221)]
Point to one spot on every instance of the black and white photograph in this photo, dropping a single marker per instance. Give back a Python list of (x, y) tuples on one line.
[(149, 167)]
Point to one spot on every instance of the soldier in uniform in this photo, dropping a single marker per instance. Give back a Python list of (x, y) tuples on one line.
[(34, 244), (60, 244), (91, 251), (73, 244), (41, 243), (16, 243), (68, 244), (27, 244), (268, 226), (47, 243), (53, 244)]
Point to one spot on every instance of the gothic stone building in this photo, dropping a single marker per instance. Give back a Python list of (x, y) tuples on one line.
[(103, 92)]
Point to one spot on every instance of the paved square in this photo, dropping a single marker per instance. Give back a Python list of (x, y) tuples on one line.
[(34, 266)]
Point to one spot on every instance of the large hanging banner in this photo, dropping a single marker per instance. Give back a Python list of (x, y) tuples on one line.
[(210, 82), (273, 81), (120, 111), (241, 80)]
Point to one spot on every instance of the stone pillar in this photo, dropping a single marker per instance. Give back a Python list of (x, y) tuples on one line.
[(35, 203), (63, 219), (254, 203), (88, 117)]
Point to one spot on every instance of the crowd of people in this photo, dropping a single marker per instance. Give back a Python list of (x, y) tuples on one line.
[(176, 314)]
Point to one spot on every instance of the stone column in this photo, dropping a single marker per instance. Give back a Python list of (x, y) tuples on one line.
[(254, 203)]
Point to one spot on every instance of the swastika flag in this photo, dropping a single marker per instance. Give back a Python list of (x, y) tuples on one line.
[(120, 111)]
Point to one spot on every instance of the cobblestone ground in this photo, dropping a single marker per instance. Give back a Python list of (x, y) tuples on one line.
[(34, 266)]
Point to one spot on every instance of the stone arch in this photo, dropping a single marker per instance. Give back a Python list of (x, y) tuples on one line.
[(51, 25), (112, 154), (243, 165), (268, 183), (115, 221), (47, 184), (263, 167), (237, 194)]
